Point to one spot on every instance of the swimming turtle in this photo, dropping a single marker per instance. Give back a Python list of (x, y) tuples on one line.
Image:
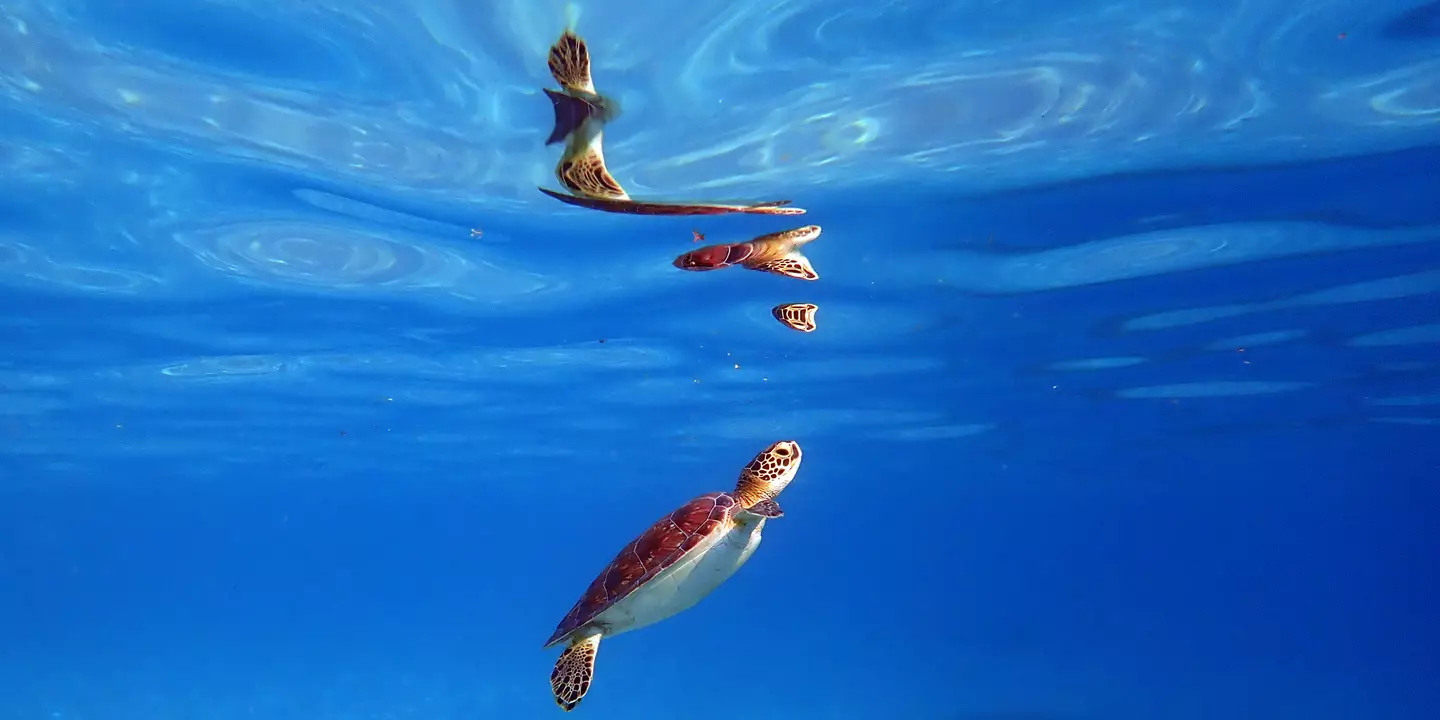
[(580, 116), (796, 316), (670, 567), (777, 253)]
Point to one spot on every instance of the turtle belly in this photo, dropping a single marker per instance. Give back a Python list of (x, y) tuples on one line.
[(688, 581)]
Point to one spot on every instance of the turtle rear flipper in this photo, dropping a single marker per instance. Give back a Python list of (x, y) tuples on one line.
[(574, 671), (582, 171)]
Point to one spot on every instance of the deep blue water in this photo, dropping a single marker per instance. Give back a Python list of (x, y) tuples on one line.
[(1124, 401)]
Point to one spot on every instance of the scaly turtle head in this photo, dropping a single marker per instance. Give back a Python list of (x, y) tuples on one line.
[(796, 316), (767, 474), (710, 257)]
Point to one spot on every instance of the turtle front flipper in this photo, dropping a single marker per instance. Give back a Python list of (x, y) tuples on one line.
[(767, 508), (792, 265), (570, 63), (582, 170), (575, 669), (570, 113)]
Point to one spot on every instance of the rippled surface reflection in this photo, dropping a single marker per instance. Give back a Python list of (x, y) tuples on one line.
[(441, 100)]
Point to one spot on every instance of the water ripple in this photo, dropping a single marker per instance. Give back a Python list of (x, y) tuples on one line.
[(1273, 337), (1418, 421), (343, 374), (817, 421), (24, 264), (936, 432), (16, 404), (1096, 363), (1417, 335), (1154, 253), (1408, 400), (1401, 286), (20, 381), (230, 367), (320, 256), (351, 260), (442, 99), (1221, 388)]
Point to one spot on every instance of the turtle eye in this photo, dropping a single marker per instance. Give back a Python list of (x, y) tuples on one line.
[(782, 451)]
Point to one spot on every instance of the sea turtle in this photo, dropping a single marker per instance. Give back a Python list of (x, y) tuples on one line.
[(796, 316), (580, 117), (777, 253), (671, 566)]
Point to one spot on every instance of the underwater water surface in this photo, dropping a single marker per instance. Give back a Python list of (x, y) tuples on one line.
[(1122, 403)]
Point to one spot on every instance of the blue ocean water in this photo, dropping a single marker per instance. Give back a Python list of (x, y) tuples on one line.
[(1123, 403)]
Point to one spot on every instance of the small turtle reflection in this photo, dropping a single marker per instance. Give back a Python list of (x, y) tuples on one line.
[(796, 316), (581, 114), (777, 253)]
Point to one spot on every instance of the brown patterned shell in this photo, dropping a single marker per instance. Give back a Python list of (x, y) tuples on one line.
[(668, 540)]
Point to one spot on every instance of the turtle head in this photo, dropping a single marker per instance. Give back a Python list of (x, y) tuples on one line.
[(712, 257), (791, 238), (768, 474), (607, 109)]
